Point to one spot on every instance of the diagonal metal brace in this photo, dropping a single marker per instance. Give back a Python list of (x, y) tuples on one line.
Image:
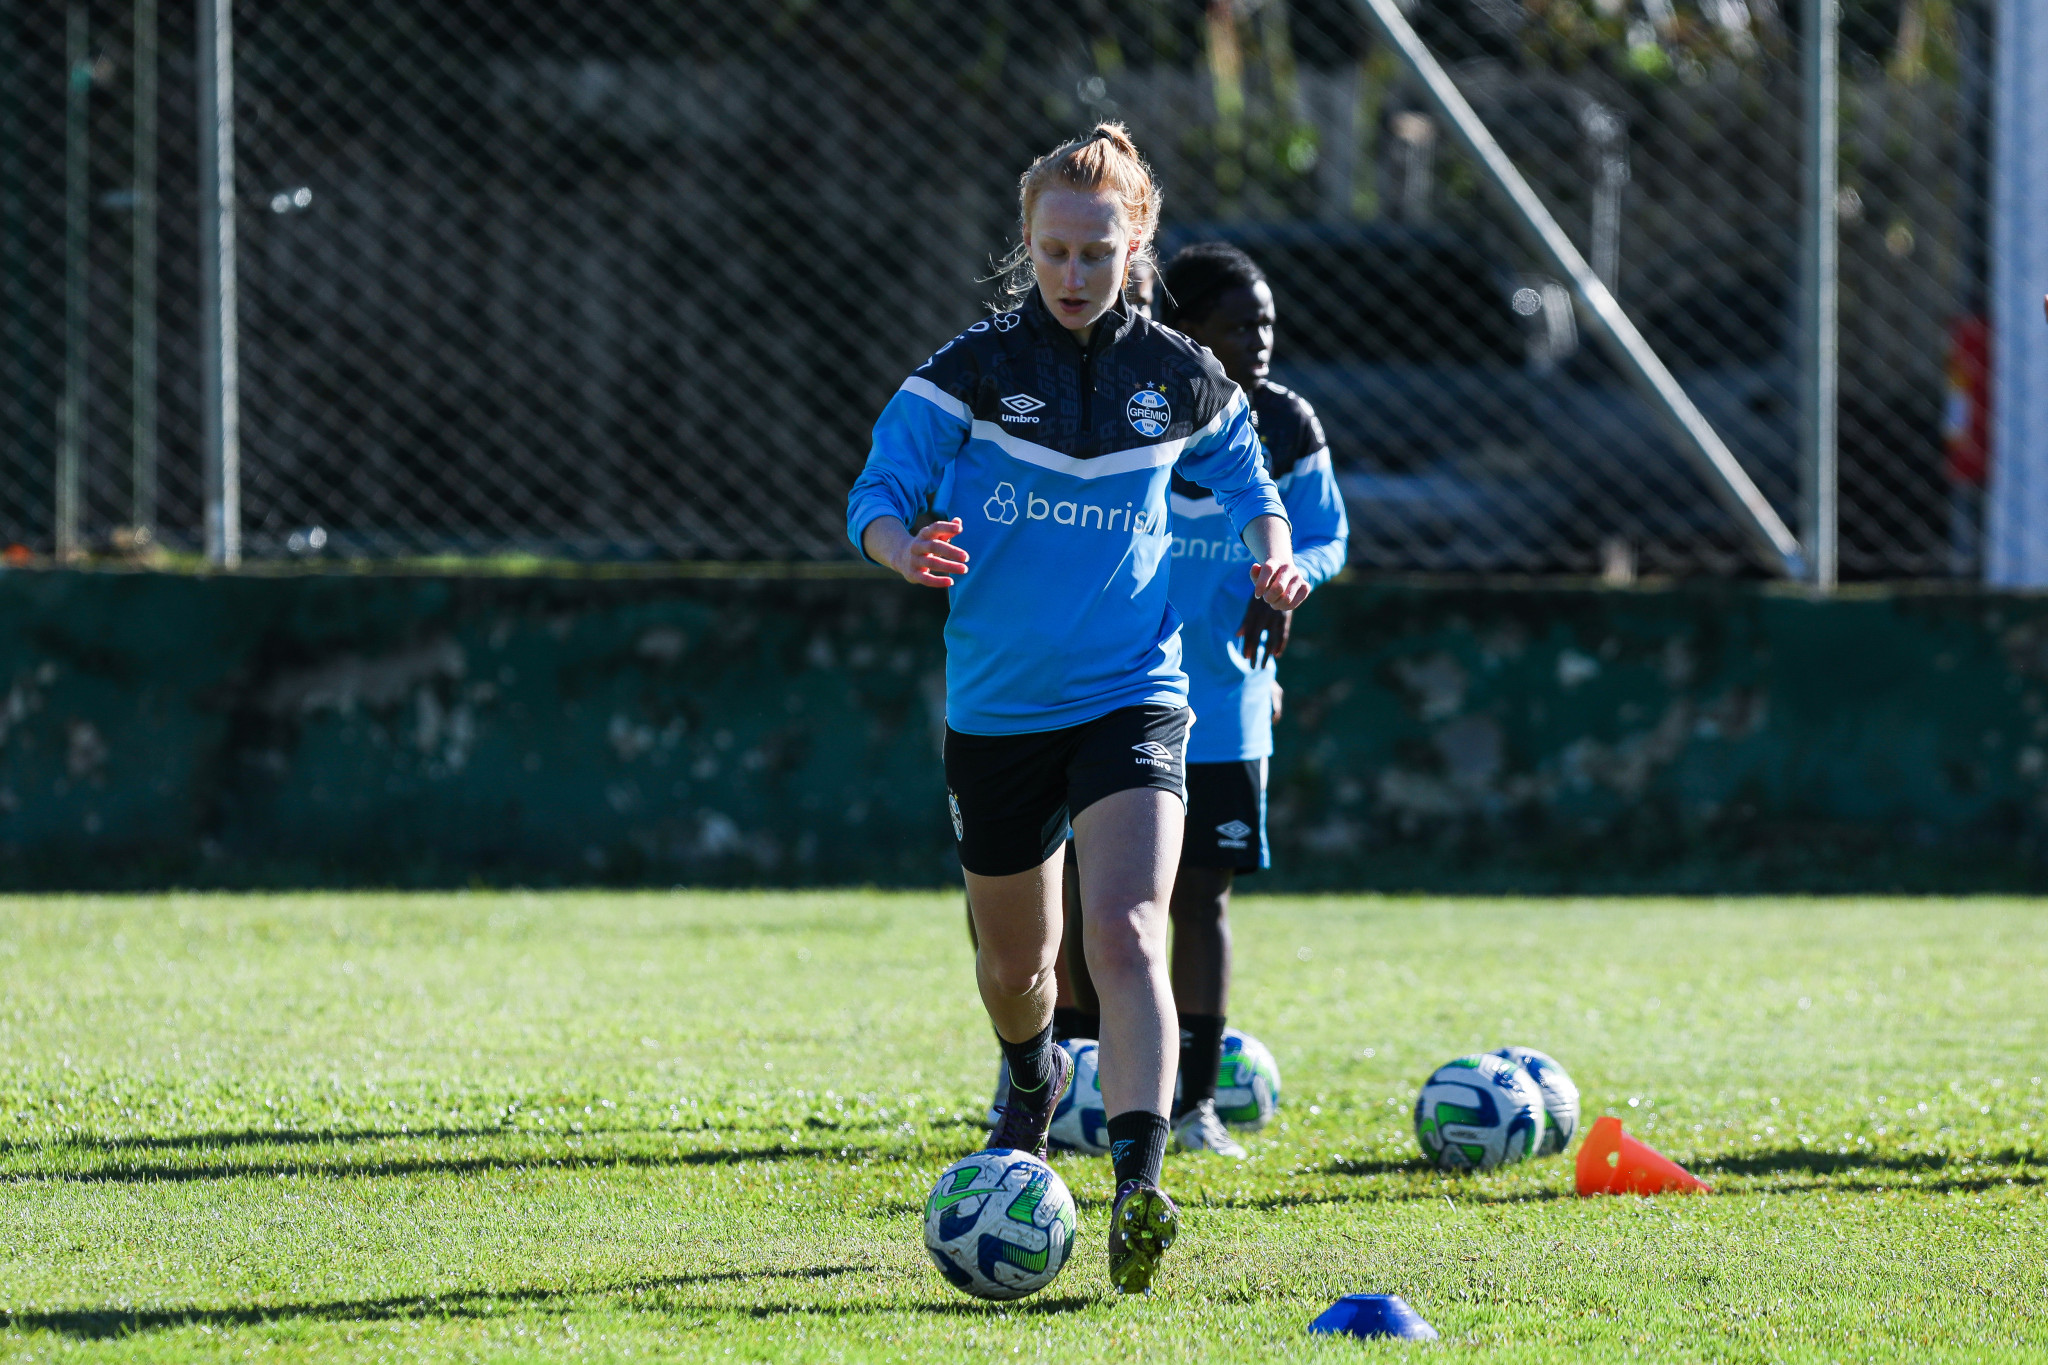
[(1769, 537)]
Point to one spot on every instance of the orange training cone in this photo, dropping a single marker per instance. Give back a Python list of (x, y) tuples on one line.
[(1612, 1162)]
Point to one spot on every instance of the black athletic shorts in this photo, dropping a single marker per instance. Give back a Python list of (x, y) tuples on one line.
[(1227, 816), (1013, 797)]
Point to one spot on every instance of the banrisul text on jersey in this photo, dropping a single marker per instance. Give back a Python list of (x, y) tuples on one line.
[(1211, 582), (1056, 458)]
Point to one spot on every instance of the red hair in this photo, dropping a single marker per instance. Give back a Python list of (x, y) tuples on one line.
[(1105, 161)]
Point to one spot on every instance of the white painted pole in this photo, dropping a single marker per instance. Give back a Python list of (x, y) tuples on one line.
[(2016, 506), (1770, 539), (1820, 335), (219, 358)]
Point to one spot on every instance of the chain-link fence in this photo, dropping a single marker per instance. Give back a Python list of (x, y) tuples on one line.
[(631, 278)]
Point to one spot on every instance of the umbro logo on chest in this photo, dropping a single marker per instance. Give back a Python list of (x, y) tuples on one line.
[(1021, 407)]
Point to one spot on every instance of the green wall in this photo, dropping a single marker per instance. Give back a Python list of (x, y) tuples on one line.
[(783, 727)]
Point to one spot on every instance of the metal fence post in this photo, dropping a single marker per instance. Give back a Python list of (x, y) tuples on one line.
[(77, 226), (18, 369), (2016, 503), (143, 359), (1820, 335), (220, 370), (1770, 539)]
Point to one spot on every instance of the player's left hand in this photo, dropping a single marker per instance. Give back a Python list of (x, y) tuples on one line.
[(1264, 632), (1279, 584)]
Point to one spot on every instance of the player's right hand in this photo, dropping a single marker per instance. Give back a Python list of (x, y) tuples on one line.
[(931, 559), (1265, 632)]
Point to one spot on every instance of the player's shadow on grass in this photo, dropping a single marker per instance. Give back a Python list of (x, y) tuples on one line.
[(102, 1323), (1819, 1161), (1789, 1170), (1793, 1170), (1031, 1307), (254, 1137), (153, 1172), (1423, 1181), (1390, 1192), (1394, 1194), (1345, 1165)]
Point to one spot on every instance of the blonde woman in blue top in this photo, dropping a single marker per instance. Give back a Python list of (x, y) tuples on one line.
[(1043, 440)]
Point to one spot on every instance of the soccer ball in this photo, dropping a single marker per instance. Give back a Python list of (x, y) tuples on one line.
[(1478, 1113), (1247, 1082), (1080, 1123), (999, 1224), (1560, 1096)]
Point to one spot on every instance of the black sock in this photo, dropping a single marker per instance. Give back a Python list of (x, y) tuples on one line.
[(1071, 1021), (1201, 1055), (1137, 1145), (1030, 1061)]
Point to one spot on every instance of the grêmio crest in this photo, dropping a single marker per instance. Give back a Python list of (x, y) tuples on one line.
[(1149, 412)]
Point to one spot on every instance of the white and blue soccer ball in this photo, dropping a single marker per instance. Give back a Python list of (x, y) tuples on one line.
[(1478, 1113), (1247, 1082), (999, 1224), (1560, 1096), (1080, 1123)]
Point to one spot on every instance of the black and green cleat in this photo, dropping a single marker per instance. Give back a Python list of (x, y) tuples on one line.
[(1142, 1225), (1021, 1122)]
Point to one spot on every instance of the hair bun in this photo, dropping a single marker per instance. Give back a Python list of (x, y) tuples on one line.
[(1084, 164), (1116, 135)]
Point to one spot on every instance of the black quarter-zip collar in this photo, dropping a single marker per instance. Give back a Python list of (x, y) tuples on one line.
[(1119, 320), (1112, 327)]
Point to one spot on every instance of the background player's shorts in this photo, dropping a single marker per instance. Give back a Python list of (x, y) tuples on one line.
[(1227, 816), (1012, 796)]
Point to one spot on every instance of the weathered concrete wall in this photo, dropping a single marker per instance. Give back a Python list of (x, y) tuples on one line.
[(339, 729), (1709, 737)]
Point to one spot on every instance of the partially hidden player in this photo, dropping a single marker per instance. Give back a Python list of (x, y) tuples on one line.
[(1230, 642), (1043, 438)]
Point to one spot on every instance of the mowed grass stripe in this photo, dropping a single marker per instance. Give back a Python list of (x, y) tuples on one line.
[(701, 1126)]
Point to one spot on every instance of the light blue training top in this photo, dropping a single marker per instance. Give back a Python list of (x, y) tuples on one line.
[(1057, 458), (1212, 586)]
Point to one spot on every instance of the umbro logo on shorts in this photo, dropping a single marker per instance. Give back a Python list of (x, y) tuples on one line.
[(1153, 754), (1233, 835), (959, 825), (1021, 406)]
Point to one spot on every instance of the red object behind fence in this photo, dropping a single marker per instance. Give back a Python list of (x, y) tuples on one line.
[(1966, 425)]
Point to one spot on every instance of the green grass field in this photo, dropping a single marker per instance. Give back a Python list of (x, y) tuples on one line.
[(698, 1126)]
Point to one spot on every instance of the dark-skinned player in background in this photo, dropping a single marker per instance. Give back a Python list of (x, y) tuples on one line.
[(1216, 295)]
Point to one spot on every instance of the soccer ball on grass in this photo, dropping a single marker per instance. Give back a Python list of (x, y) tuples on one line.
[(1478, 1113), (1247, 1082), (1080, 1123), (999, 1224), (1560, 1096)]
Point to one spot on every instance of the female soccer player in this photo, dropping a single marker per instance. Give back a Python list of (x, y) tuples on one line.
[(1230, 638), (1043, 439)]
